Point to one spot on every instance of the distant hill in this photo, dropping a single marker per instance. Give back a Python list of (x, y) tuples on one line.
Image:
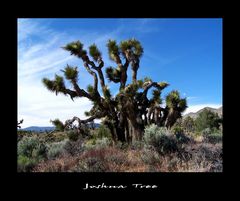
[(46, 128), (194, 115), (38, 128)]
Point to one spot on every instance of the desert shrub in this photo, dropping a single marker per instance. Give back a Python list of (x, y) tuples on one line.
[(55, 149), (137, 145), (64, 163), (54, 137), (160, 139), (30, 151), (213, 138), (73, 147), (150, 157), (102, 132), (212, 135), (22, 133), (32, 147), (25, 164), (180, 135), (177, 130), (103, 142), (97, 143), (121, 145), (73, 135), (91, 165), (207, 119), (205, 157), (206, 132), (188, 124), (182, 138), (102, 160)]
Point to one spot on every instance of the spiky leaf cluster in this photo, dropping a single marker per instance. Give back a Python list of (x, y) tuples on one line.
[(90, 89), (71, 73), (48, 84), (131, 89), (113, 49), (113, 74), (174, 101), (94, 52), (76, 48), (182, 105), (132, 46), (156, 96), (163, 85), (58, 124), (106, 93), (56, 85)]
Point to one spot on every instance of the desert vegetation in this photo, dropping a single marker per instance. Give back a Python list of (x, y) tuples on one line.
[(138, 133)]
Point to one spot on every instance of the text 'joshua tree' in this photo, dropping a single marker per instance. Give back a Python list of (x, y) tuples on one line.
[(127, 113)]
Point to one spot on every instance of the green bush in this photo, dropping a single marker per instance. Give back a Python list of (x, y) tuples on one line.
[(102, 132), (97, 143), (74, 147), (73, 135), (160, 139), (188, 124), (32, 147), (102, 160), (150, 157), (213, 138), (212, 135), (93, 164), (30, 151), (137, 145), (206, 132), (177, 130), (182, 138), (26, 164), (207, 119), (56, 148)]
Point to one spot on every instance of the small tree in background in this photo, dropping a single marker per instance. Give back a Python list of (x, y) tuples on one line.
[(188, 124), (207, 119), (127, 113)]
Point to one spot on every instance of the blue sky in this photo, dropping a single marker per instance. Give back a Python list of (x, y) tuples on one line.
[(187, 53)]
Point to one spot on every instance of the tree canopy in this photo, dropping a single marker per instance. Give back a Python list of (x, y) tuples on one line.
[(128, 112)]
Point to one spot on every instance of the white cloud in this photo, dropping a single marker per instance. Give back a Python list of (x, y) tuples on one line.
[(36, 105), (195, 108)]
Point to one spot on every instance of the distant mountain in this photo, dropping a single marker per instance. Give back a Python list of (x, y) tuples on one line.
[(47, 128), (194, 115), (38, 128), (97, 125)]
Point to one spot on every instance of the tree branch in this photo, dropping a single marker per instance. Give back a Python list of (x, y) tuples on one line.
[(98, 68), (68, 123), (148, 86), (81, 92)]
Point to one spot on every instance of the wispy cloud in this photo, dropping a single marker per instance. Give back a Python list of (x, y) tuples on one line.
[(191, 97), (141, 25), (37, 106)]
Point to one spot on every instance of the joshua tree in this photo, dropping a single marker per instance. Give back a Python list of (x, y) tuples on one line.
[(130, 110)]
